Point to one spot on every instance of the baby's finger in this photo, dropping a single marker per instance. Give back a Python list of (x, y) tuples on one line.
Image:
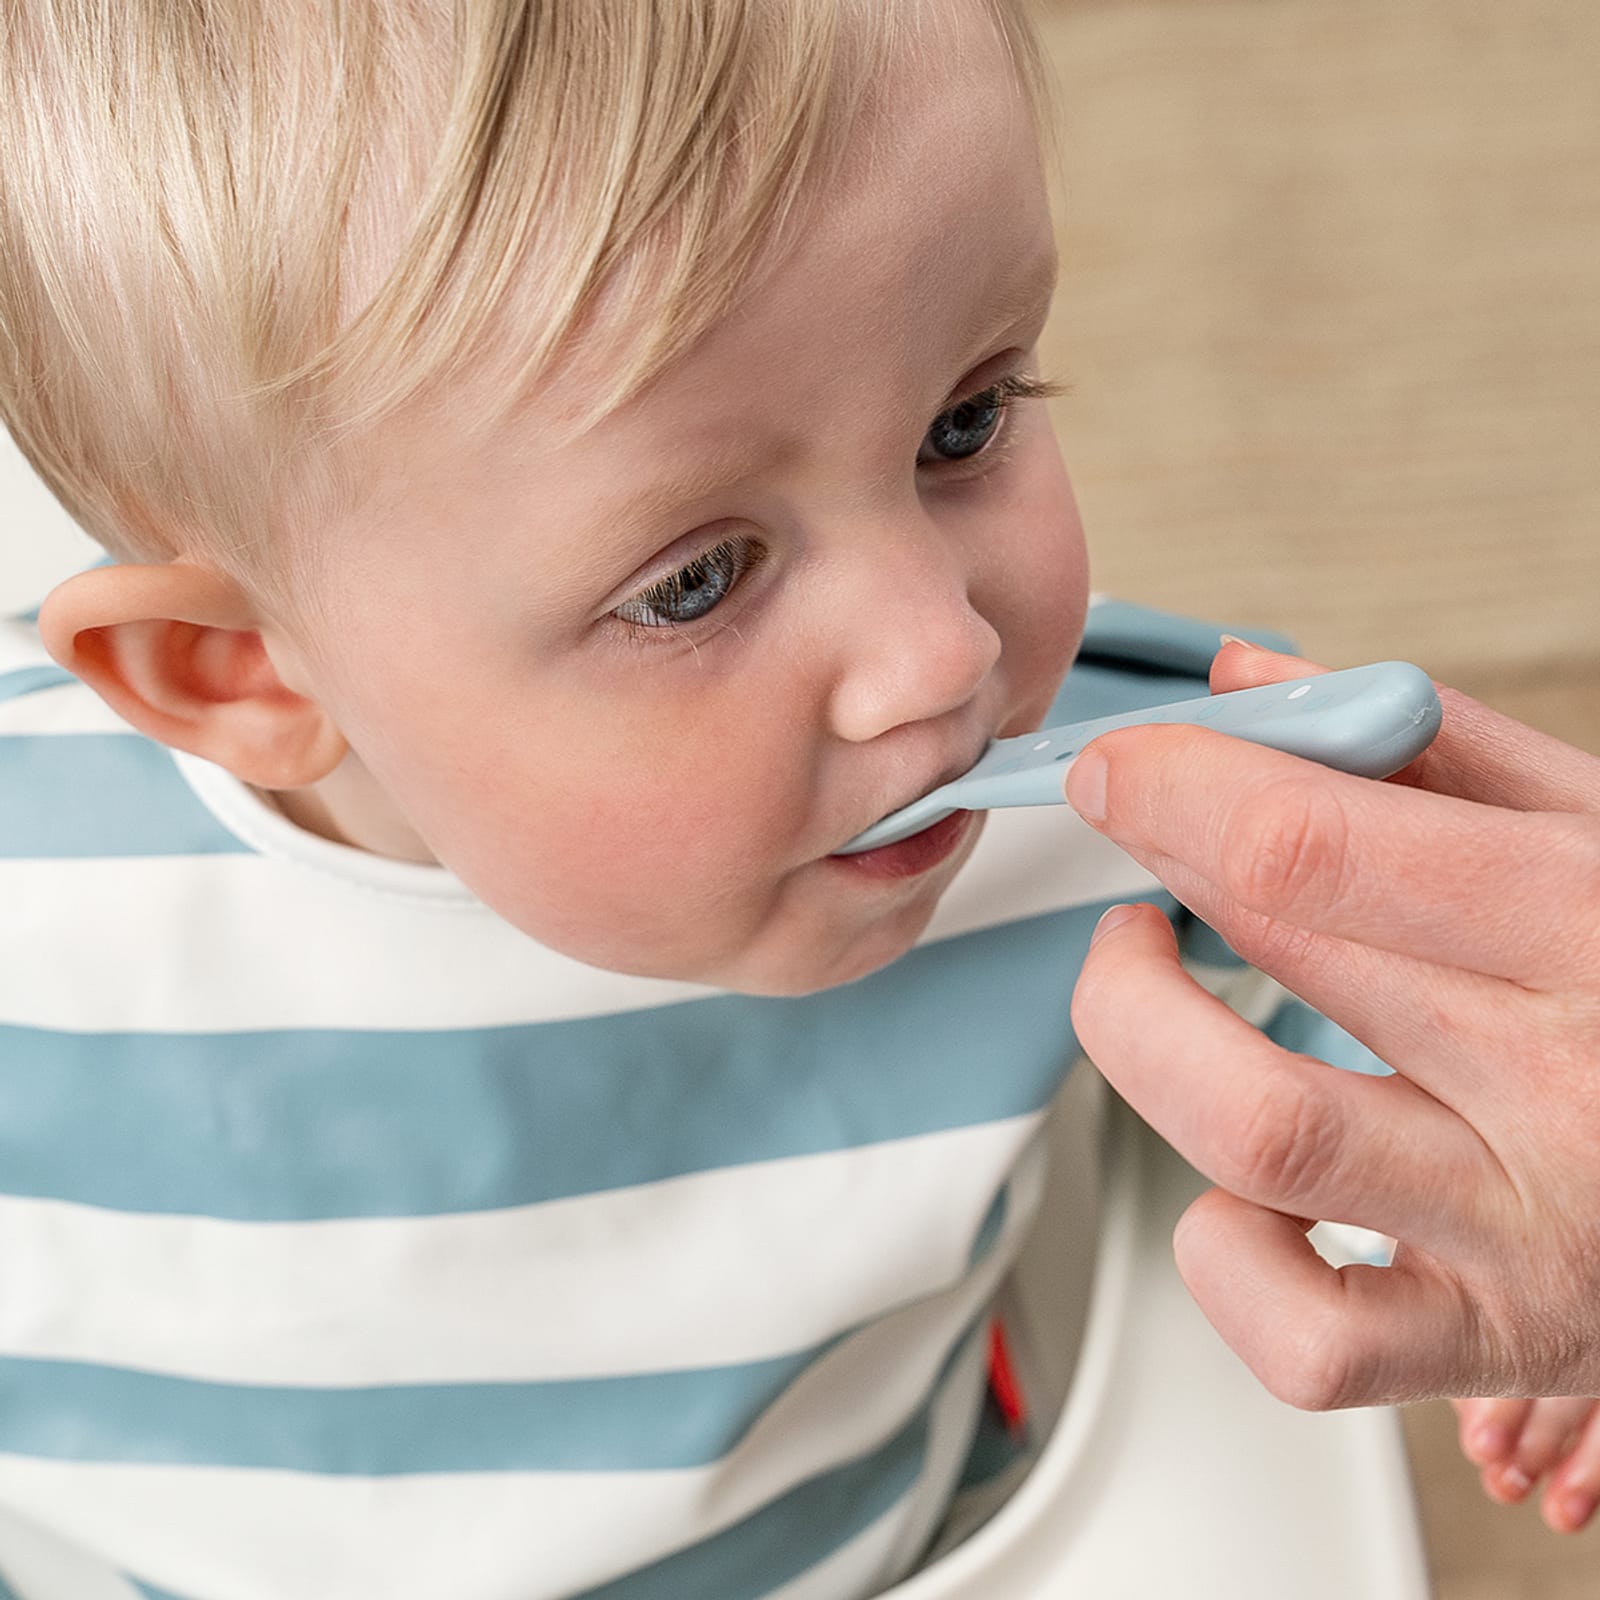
[(1549, 1426), (1421, 874), (1479, 754), (1489, 1429), (1574, 1490), (1317, 1336), (1280, 1129)]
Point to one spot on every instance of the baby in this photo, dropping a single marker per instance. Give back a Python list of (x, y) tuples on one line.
[(464, 1132)]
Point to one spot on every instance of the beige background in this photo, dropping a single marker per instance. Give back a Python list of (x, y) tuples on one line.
[(1331, 310)]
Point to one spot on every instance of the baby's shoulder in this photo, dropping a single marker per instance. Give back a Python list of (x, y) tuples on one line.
[(1134, 656)]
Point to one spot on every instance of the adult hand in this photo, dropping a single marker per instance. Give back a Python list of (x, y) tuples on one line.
[(1449, 918)]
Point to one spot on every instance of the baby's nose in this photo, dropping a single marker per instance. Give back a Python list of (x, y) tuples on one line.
[(915, 648)]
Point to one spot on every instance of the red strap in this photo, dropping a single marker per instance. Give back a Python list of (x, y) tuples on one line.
[(1003, 1383)]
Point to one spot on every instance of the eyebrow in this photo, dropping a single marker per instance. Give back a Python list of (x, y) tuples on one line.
[(711, 473), (1025, 290), (584, 572)]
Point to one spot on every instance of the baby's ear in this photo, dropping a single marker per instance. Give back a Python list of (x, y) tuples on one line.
[(177, 651)]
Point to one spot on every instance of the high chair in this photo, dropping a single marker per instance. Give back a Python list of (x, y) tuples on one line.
[(1168, 1470)]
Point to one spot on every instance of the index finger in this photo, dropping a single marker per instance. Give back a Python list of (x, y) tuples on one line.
[(1479, 754), (1407, 870)]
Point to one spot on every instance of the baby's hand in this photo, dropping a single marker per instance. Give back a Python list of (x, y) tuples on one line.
[(1514, 1442)]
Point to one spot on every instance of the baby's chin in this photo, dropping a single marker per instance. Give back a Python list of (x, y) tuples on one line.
[(792, 975), (820, 958), (779, 962), (777, 968)]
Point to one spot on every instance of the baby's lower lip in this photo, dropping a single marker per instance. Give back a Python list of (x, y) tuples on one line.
[(909, 857)]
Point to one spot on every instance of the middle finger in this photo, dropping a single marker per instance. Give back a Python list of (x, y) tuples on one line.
[(1446, 1029)]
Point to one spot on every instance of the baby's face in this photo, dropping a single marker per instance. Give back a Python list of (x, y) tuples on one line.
[(636, 689)]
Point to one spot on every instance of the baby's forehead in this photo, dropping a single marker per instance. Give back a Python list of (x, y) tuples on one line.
[(828, 371), (632, 271), (935, 218)]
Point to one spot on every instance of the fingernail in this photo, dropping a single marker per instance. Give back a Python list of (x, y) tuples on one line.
[(1086, 786), (1233, 638), (1516, 1480), (1114, 918)]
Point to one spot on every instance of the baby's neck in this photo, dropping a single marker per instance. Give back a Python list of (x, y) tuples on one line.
[(347, 807)]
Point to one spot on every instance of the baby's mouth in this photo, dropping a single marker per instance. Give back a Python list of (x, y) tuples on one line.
[(916, 853), (948, 774)]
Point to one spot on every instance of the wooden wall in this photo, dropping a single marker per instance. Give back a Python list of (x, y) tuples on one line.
[(1331, 307)]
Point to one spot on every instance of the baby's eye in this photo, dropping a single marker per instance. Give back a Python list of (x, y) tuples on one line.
[(968, 429), (693, 590), (964, 430)]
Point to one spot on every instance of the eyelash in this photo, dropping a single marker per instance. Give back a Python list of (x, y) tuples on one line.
[(1003, 394), (670, 588)]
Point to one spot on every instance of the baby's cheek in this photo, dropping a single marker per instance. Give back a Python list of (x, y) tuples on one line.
[(1047, 600), (655, 842), (1054, 552), (634, 878), (669, 850)]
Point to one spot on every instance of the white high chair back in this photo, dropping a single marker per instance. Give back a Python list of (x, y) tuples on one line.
[(1169, 1471)]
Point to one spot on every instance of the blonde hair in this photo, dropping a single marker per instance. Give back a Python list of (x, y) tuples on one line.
[(238, 235)]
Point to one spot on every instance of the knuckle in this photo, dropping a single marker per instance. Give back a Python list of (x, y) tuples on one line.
[(1286, 847), (1319, 1369), (1287, 1141), (1276, 945)]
